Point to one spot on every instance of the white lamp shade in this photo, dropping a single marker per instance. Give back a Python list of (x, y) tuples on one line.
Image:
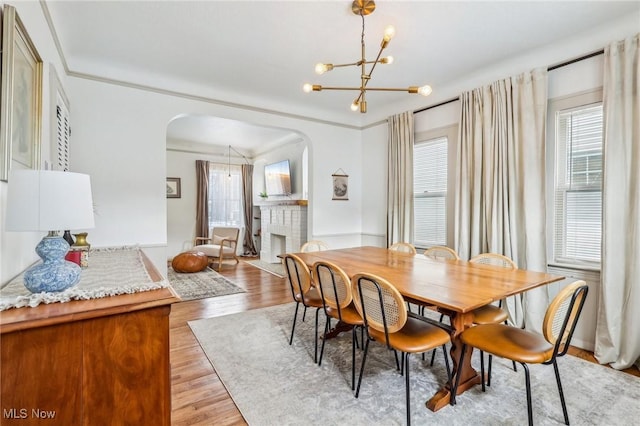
[(46, 200)]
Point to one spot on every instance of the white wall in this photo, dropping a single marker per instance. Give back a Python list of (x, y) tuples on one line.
[(119, 138), (17, 249), (291, 151)]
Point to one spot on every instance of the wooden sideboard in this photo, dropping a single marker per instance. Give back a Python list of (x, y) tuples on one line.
[(95, 362)]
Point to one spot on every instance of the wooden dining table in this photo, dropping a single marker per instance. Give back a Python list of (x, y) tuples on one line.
[(454, 287)]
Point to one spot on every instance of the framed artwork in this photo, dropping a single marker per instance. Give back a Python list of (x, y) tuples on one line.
[(20, 97), (340, 185), (173, 187)]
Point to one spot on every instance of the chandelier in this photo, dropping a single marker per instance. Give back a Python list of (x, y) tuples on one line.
[(363, 8)]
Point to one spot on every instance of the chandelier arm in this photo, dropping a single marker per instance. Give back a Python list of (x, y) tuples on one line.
[(347, 65), (377, 89), (373, 67)]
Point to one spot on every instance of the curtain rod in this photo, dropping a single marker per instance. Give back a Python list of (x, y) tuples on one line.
[(549, 68)]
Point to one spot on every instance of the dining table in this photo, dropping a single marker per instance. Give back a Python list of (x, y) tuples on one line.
[(453, 287)]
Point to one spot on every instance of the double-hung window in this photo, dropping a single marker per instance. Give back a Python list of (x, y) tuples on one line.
[(430, 192), (578, 185), (225, 195)]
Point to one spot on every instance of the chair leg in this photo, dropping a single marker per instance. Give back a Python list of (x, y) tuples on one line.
[(528, 385), (354, 339), (364, 359), (327, 326), (433, 357), (405, 357), (304, 314), (564, 406), (293, 326), (395, 353), (315, 353), (446, 363), (433, 354), (482, 369), (454, 390), (489, 373)]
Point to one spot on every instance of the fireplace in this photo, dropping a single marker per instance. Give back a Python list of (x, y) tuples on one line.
[(283, 230)]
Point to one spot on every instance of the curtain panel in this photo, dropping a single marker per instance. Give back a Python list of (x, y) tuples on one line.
[(400, 178), (202, 198), (247, 198), (618, 323), (500, 197)]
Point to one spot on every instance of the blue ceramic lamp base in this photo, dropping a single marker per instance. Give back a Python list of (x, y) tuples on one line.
[(55, 273)]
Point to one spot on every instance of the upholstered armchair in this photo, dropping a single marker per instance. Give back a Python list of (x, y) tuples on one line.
[(220, 245)]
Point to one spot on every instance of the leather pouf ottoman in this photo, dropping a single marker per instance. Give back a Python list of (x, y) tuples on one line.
[(191, 261)]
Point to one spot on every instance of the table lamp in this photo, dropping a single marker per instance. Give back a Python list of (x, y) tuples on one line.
[(46, 200)]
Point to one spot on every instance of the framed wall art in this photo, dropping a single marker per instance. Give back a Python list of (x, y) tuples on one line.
[(20, 97), (340, 185), (173, 187)]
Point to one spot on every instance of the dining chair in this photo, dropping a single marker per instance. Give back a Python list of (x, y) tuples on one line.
[(335, 289), (314, 245), (302, 292), (528, 347), (403, 247), (444, 253), (388, 322), (441, 252), (492, 314)]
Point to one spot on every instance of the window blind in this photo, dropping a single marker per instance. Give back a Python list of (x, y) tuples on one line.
[(430, 192)]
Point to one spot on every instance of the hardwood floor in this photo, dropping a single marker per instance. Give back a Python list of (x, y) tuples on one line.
[(198, 396)]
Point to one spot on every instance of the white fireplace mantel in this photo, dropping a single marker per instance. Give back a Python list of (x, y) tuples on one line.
[(283, 230)]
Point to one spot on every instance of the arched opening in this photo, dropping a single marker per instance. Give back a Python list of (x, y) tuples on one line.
[(227, 142)]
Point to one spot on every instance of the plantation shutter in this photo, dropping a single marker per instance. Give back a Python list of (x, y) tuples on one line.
[(63, 136)]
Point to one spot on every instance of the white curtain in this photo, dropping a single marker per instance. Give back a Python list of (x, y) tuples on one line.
[(400, 179), (500, 187), (618, 325)]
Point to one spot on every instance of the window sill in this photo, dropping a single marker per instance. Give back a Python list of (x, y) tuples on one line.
[(575, 267)]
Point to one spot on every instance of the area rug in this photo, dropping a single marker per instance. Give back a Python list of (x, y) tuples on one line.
[(200, 285), (273, 268), (273, 383)]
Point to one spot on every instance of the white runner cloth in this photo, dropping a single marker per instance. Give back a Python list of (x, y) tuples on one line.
[(111, 271)]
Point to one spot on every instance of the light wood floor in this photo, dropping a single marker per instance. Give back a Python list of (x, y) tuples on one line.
[(198, 396)]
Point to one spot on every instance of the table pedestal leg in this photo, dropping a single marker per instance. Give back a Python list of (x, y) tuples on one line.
[(468, 376)]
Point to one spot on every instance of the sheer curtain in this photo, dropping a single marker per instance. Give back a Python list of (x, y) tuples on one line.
[(618, 325), (500, 187), (247, 197), (400, 179), (202, 198)]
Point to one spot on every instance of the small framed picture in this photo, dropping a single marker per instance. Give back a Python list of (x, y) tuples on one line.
[(340, 187), (173, 187)]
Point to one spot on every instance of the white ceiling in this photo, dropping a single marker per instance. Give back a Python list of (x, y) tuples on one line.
[(260, 53)]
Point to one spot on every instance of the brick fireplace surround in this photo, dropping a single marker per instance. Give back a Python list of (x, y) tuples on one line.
[(283, 230)]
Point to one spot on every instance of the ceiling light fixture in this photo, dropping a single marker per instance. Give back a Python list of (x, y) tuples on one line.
[(363, 8)]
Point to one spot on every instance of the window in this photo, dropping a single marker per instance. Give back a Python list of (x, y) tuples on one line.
[(430, 192), (225, 195), (578, 185)]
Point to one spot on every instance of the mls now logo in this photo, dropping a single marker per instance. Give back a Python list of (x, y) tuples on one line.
[(23, 413)]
